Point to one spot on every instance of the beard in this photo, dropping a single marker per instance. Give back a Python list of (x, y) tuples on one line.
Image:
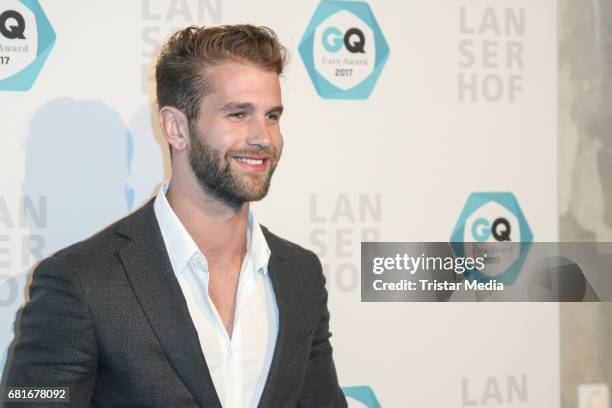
[(216, 175)]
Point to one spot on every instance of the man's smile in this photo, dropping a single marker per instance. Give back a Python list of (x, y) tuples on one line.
[(252, 163)]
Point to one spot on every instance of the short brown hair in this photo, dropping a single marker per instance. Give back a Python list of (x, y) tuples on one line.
[(181, 67)]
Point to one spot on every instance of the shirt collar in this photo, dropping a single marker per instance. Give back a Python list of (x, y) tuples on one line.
[(257, 246), (181, 247)]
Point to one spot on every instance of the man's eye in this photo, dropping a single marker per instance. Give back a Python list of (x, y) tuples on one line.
[(238, 115), (273, 116)]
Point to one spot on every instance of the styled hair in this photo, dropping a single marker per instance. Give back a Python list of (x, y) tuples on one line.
[(180, 73)]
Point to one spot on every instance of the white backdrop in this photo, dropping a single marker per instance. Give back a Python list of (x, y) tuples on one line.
[(396, 166)]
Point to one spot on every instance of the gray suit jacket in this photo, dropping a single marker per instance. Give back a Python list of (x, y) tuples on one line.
[(107, 318)]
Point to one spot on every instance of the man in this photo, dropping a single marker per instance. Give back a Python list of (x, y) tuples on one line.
[(188, 302)]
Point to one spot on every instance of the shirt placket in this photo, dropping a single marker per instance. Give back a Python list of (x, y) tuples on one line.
[(231, 393), (246, 288), (200, 265)]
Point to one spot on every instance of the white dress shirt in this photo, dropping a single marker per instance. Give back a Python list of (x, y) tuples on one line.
[(238, 365)]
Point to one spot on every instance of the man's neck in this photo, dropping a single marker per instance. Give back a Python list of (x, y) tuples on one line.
[(217, 228)]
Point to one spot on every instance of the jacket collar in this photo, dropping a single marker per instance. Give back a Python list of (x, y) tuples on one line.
[(150, 274)]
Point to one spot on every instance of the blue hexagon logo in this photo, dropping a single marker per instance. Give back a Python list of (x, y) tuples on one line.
[(344, 50), (362, 394), (492, 225), (26, 39)]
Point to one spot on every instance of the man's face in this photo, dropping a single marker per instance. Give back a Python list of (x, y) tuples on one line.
[(236, 142)]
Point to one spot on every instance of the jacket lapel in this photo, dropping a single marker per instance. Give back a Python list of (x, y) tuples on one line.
[(149, 271), (280, 365)]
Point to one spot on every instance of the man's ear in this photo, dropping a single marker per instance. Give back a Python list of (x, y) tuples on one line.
[(174, 126)]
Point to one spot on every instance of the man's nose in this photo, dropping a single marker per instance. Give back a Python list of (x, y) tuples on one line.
[(260, 133)]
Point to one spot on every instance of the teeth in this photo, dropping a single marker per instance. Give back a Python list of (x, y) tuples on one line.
[(249, 161)]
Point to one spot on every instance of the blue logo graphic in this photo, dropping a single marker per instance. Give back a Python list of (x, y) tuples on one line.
[(26, 40), (493, 218), (344, 50), (363, 394)]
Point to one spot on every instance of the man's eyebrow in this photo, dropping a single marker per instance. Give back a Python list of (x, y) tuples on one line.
[(234, 106), (247, 106)]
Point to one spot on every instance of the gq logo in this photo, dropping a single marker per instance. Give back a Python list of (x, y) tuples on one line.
[(333, 40), (360, 397), (492, 225), (500, 230), (26, 39), (344, 50)]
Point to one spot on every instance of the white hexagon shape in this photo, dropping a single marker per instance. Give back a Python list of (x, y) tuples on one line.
[(343, 68)]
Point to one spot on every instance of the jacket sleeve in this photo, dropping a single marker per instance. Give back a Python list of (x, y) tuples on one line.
[(320, 388), (55, 343)]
